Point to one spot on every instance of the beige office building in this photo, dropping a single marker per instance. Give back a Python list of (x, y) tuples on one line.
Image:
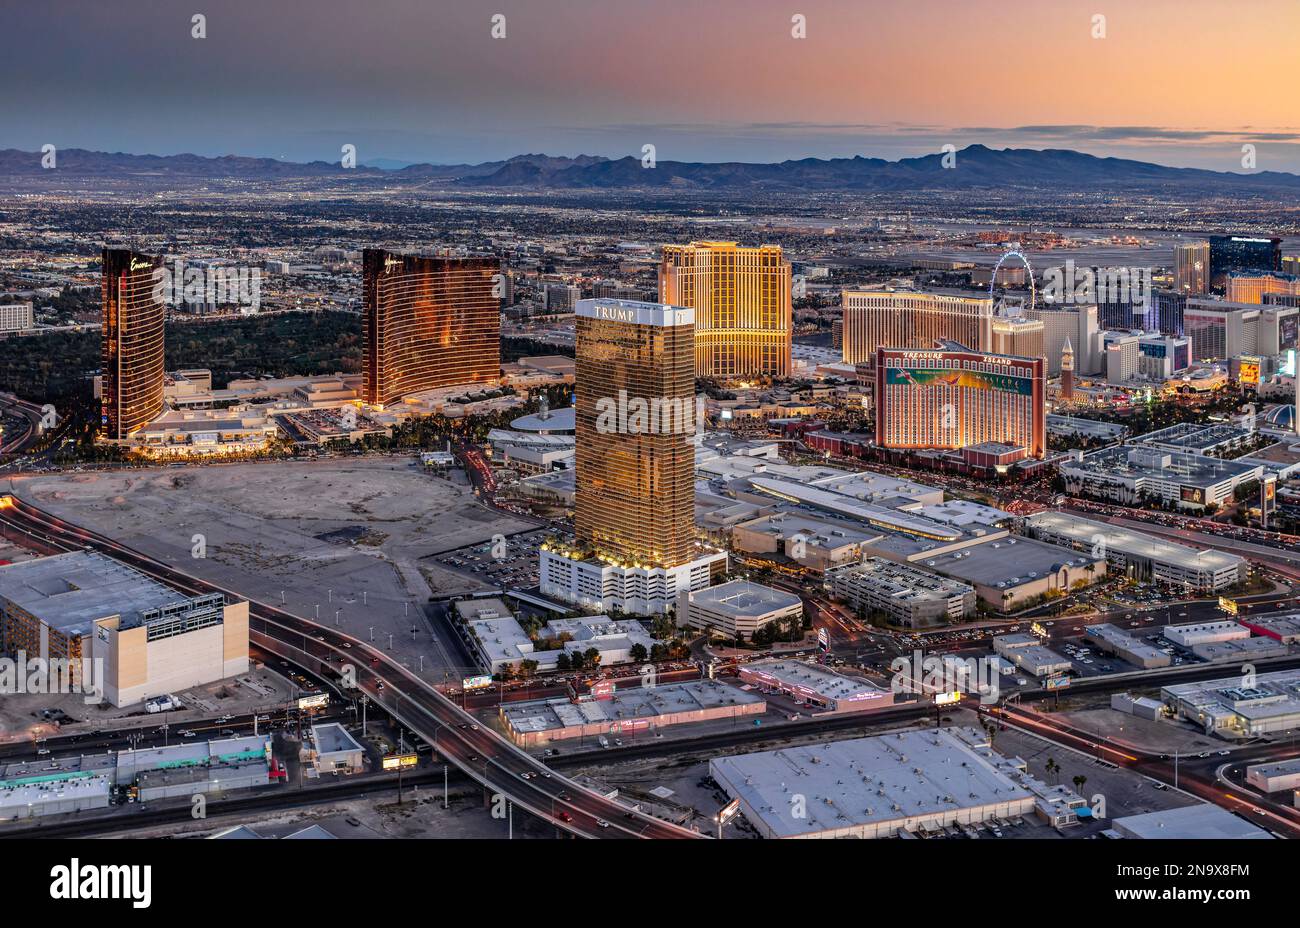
[(742, 302), (907, 319)]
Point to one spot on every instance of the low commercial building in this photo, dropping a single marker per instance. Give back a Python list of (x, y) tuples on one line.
[(1200, 821), (916, 781), (819, 543), (499, 641), (1193, 633), (85, 782), (1114, 640), (1229, 709), (627, 712), (143, 638), (1139, 706), (815, 686), (1139, 555), (1196, 438), (1276, 776), (1008, 573), (335, 750), (1283, 628), (50, 787), (1131, 475), (15, 317), (1239, 650), (182, 770), (905, 595), (739, 608), (1028, 653)]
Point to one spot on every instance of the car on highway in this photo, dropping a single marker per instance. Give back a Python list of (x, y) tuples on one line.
[(602, 823), (565, 817)]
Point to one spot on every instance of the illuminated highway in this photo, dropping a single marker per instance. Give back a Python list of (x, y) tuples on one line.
[(497, 764)]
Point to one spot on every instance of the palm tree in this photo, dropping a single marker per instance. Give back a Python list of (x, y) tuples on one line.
[(1079, 780), (1052, 767)]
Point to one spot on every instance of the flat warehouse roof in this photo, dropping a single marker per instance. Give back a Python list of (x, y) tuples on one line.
[(740, 598), (889, 778), (1126, 541), (69, 592)]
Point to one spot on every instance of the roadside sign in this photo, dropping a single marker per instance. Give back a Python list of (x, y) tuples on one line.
[(947, 699), (314, 701), (401, 761), (475, 683), (823, 639), (1057, 683), (728, 812), (1228, 605)]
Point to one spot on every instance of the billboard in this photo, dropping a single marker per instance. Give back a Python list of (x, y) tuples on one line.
[(1057, 683), (1248, 371), (314, 701), (401, 761), (476, 683), (974, 380)]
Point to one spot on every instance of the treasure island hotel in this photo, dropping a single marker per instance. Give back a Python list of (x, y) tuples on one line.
[(429, 322), (131, 383), (741, 298), (634, 508), (954, 398)]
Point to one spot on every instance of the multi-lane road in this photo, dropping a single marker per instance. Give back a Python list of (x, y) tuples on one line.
[(503, 769)]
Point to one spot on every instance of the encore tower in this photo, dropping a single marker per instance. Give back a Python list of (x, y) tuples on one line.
[(741, 298), (634, 494), (428, 323), (131, 382)]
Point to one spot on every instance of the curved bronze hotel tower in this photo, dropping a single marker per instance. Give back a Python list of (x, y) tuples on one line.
[(131, 385), (428, 322)]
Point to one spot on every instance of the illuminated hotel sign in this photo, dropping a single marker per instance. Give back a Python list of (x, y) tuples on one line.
[(138, 264), (615, 314), (948, 377), (390, 261)]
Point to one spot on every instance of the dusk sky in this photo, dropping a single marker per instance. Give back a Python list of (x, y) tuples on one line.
[(1181, 82)]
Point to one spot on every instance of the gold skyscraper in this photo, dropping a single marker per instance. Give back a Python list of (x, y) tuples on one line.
[(428, 323), (634, 473), (635, 460), (909, 319), (742, 303), (131, 382)]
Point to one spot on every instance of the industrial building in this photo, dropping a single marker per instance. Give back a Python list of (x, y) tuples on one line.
[(1201, 821), (739, 608), (1114, 640), (626, 712), (915, 781), (1193, 633), (815, 686), (76, 784), (1138, 555), (1230, 709), (144, 638), (906, 596), (1029, 654), (1284, 628)]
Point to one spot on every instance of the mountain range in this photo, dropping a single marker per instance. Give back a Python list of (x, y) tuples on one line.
[(976, 167)]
